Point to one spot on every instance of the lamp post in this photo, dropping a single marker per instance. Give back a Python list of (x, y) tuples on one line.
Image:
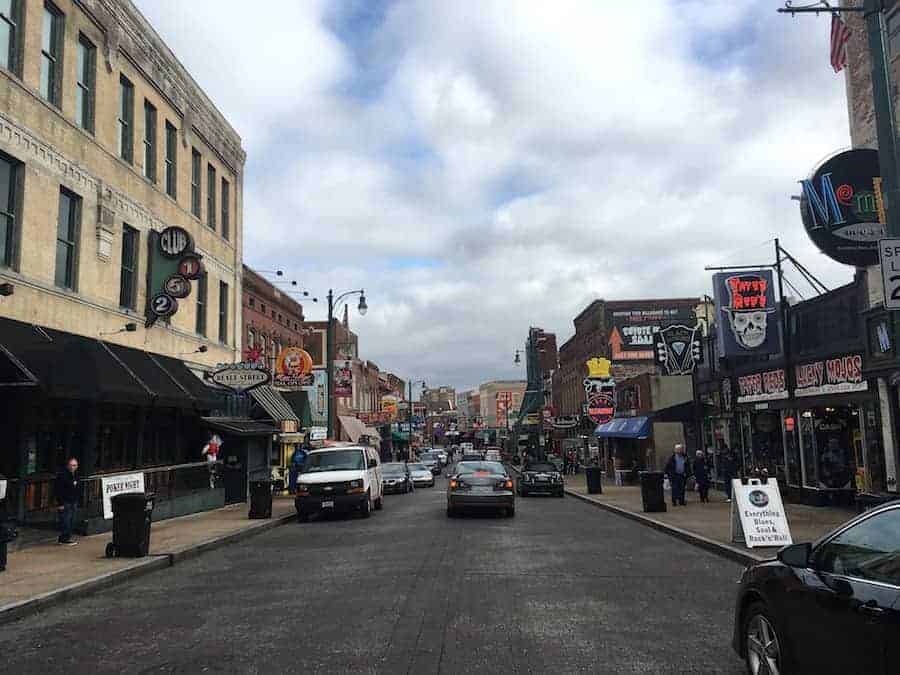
[(329, 365)]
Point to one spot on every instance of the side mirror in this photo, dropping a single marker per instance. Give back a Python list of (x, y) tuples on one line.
[(372, 463), (796, 555)]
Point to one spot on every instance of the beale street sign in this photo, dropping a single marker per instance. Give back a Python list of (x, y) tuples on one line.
[(240, 377)]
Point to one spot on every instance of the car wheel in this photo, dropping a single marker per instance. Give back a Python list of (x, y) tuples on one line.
[(762, 643), (366, 508), (379, 503), (510, 512)]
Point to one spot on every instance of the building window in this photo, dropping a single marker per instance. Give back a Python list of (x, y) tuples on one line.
[(84, 86), (195, 182), (226, 206), (202, 282), (223, 312), (171, 160), (67, 228), (128, 275), (251, 302), (51, 53), (211, 196), (149, 141), (126, 119), (251, 339), (9, 190), (262, 308), (9, 36)]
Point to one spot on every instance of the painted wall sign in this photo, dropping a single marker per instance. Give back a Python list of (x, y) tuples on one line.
[(293, 369), (119, 485), (839, 375), (842, 207), (240, 377), (632, 335), (748, 317), (678, 348), (768, 386)]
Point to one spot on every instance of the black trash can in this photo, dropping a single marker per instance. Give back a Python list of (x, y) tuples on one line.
[(260, 499), (7, 534), (594, 476), (652, 491), (132, 515)]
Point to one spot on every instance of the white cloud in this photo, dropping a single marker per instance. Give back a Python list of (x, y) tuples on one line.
[(502, 167)]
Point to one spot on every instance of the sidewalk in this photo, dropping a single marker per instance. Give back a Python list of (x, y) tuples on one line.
[(711, 521), (44, 574)]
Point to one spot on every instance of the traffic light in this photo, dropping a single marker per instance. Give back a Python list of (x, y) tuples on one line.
[(172, 265)]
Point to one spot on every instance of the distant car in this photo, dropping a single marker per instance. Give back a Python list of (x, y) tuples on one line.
[(395, 477), (442, 456), (472, 456), (432, 460), (421, 475), (480, 485), (828, 607), (541, 478)]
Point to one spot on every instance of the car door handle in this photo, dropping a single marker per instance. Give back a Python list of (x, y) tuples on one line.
[(871, 609)]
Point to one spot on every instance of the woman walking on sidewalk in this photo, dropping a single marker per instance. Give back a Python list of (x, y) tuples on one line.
[(701, 475)]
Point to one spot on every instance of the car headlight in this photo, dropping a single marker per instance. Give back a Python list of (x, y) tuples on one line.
[(355, 484)]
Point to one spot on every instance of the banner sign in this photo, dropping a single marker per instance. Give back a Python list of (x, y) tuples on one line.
[(293, 369), (839, 375), (678, 348), (600, 391), (343, 379), (747, 313), (768, 386), (758, 517), (241, 377), (119, 485), (631, 337), (502, 408), (842, 207)]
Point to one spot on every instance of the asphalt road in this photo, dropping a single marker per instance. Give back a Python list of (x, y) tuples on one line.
[(562, 587)]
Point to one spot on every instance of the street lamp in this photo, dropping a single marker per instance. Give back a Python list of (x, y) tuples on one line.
[(362, 308), (518, 358)]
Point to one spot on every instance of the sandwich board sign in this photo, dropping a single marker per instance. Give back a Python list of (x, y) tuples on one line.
[(758, 517)]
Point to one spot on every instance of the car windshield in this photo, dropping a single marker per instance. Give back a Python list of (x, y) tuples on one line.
[(393, 468), (540, 466), (417, 467), (426, 455), (480, 467), (337, 460)]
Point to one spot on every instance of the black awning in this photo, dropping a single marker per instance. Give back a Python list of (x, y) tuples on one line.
[(204, 396), (239, 426), (71, 366), (166, 391), (13, 372)]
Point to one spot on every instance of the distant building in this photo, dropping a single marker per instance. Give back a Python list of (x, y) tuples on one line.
[(499, 402), (439, 400)]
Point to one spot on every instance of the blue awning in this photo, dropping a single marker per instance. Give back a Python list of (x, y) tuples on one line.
[(625, 427)]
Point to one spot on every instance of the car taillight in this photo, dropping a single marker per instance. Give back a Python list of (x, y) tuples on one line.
[(503, 485), (454, 484)]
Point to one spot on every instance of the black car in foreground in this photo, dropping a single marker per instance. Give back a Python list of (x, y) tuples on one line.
[(540, 478), (479, 486), (395, 477), (828, 607)]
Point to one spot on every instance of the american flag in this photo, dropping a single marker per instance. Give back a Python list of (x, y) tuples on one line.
[(840, 35)]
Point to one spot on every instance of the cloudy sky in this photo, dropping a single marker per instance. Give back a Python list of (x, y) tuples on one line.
[(480, 166)]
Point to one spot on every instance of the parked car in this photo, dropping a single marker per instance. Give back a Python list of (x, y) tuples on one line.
[(541, 478), (346, 478), (480, 485), (828, 607), (395, 477), (432, 461), (421, 475)]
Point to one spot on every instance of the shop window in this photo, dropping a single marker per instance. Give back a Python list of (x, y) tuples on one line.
[(793, 464), (116, 437), (160, 438), (808, 449)]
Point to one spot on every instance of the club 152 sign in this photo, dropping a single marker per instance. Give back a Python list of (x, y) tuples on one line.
[(172, 265)]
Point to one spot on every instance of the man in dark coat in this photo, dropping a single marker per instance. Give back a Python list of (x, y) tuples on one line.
[(68, 494), (701, 475), (678, 468)]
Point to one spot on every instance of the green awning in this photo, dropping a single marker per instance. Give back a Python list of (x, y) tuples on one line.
[(401, 436)]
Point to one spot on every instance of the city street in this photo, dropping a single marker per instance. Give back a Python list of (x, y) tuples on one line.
[(562, 587)]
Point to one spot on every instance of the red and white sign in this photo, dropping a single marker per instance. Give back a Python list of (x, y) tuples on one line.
[(768, 386), (839, 375)]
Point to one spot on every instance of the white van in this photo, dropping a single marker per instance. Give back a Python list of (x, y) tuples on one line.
[(346, 478)]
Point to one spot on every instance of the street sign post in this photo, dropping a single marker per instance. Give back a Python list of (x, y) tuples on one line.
[(889, 255)]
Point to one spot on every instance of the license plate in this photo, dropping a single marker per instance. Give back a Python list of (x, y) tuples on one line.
[(328, 504), (482, 489)]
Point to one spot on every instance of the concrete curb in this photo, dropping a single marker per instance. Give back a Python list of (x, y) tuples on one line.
[(157, 561), (724, 550)]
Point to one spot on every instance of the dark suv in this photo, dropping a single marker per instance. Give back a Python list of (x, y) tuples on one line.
[(541, 478)]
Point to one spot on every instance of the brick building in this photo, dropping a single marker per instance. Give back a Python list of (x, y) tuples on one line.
[(272, 319)]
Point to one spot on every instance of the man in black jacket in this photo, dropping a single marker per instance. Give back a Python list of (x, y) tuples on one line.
[(68, 493), (678, 469)]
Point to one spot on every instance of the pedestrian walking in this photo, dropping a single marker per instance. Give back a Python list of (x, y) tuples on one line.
[(298, 459), (727, 469), (68, 494), (677, 470), (701, 475)]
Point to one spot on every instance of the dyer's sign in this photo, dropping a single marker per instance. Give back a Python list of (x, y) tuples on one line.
[(842, 207), (768, 386)]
